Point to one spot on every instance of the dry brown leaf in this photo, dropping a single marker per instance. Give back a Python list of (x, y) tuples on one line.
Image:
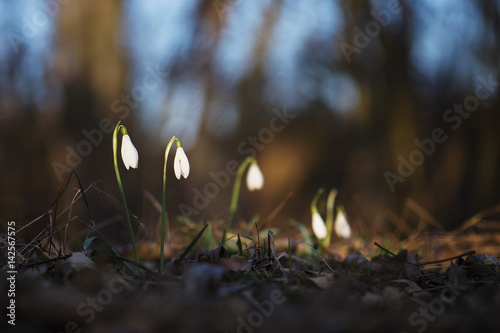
[(392, 296), (372, 299), (235, 263), (79, 261), (324, 281), (356, 261), (203, 279), (414, 288), (456, 275)]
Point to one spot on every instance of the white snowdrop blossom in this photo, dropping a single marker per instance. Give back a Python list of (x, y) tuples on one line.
[(181, 164), (342, 228), (318, 226), (255, 179), (130, 156)]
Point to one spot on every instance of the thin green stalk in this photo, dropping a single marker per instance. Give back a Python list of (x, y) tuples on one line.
[(120, 186), (162, 241), (315, 200), (236, 190), (330, 202)]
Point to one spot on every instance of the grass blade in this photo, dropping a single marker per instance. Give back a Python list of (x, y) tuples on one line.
[(193, 243)]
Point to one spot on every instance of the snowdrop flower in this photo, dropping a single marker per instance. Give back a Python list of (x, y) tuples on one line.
[(255, 179), (318, 225), (181, 168), (342, 228), (130, 156), (181, 163)]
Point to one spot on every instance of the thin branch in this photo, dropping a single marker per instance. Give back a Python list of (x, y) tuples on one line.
[(447, 259)]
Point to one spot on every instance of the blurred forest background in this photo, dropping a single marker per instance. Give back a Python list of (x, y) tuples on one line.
[(359, 81)]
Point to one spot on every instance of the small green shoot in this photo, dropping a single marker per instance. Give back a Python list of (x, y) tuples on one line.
[(223, 239), (208, 238), (238, 244)]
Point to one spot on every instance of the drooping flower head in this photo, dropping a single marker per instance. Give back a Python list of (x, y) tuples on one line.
[(181, 162), (318, 225), (130, 156), (255, 179), (342, 228)]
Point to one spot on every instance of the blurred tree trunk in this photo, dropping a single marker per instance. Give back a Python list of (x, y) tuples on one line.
[(89, 60), (91, 65)]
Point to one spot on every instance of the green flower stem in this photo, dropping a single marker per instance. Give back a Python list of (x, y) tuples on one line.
[(120, 186), (162, 240), (236, 189), (329, 217), (314, 209)]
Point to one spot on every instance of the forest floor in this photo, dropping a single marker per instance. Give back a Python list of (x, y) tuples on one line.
[(253, 280), (269, 286)]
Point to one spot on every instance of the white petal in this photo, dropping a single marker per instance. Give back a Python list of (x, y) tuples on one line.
[(181, 164), (342, 228), (177, 167), (255, 179), (319, 226), (130, 156), (184, 165)]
